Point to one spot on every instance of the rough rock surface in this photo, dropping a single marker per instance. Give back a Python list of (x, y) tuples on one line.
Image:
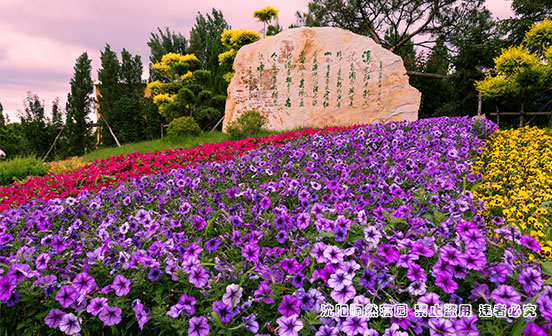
[(320, 77)]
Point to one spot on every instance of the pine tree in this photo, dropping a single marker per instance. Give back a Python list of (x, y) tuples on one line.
[(109, 92), (79, 102), (2, 121)]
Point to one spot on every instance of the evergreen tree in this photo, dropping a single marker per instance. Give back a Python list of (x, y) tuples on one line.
[(2, 121), (206, 45), (79, 102), (35, 127), (164, 42), (109, 92)]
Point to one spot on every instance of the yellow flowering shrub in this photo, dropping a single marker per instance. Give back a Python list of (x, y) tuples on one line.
[(517, 181), (58, 167)]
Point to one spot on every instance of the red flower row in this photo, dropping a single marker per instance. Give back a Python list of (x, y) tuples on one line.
[(107, 172)]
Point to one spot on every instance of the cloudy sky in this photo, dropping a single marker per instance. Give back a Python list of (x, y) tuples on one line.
[(40, 40)]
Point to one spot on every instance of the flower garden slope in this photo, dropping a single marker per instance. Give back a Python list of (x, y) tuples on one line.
[(378, 214), (112, 171)]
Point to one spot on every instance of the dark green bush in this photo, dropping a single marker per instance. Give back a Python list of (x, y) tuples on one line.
[(203, 97), (19, 168), (183, 126), (218, 102), (246, 125), (207, 117)]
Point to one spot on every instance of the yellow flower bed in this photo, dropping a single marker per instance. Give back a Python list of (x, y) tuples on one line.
[(517, 181), (58, 167)]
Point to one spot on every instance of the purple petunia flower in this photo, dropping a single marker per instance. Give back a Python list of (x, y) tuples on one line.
[(466, 326), (141, 315), (42, 261), (474, 239), (212, 244), (441, 327), (7, 285), (289, 325), (298, 279), (264, 293), (110, 315), (473, 259), (96, 305), (251, 323), (444, 280), (54, 317), (506, 295), (66, 296), (531, 280), (121, 285), (198, 277), (289, 265), (416, 273), (69, 324), (450, 255), (83, 283), (251, 251), (154, 274), (530, 243), (389, 253), (233, 295), (340, 279), (223, 310), (344, 294), (354, 325), (289, 306), (198, 326), (531, 329)]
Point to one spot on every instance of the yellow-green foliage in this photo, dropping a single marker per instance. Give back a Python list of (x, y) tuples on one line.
[(227, 57), (538, 39), (58, 167), (521, 70), (266, 14)]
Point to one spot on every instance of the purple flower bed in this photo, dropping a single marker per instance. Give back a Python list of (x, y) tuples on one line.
[(379, 216)]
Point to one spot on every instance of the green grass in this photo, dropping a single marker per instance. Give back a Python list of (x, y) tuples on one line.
[(161, 144), (19, 168)]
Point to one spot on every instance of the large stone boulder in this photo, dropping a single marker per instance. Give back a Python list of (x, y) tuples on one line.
[(320, 77)]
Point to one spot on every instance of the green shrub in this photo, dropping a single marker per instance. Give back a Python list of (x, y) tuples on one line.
[(203, 97), (218, 102), (246, 125), (207, 117), (19, 168), (183, 126)]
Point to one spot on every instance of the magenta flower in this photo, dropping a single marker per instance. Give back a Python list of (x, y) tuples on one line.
[(289, 326), (69, 324), (251, 251), (389, 253), (530, 243), (264, 293), (96, 305), (506, 295), (223, 310), (415, 272), (289, 265), (473, 259), (466, 326), (7, 285), (83, 283), (66, 296), (289, 306), (531, 329), (198, 326), (121, 285), (42, 261), (444, 280), (54, 317), (110, 315)]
